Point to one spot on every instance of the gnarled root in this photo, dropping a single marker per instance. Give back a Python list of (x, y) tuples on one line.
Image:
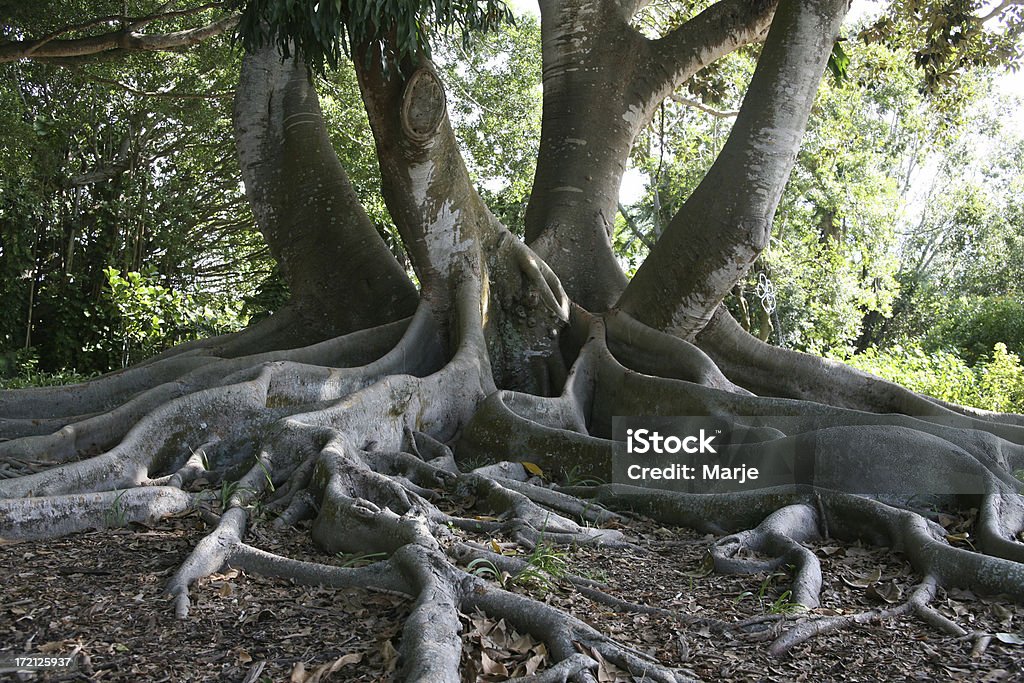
[(360, 442)]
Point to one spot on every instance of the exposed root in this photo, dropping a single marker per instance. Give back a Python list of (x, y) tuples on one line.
[(565, 634), (811, 627), (364, 452), (53, 516), (210, 554), (314, 378), (560, 672), (780, 535), (772, 371)]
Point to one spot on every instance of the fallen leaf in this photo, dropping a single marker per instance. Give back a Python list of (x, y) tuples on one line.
[(390, 656), (863, 580), (707, 566), (532, 469), (324, 670), (492, 667), (533, 663), (888, 592)]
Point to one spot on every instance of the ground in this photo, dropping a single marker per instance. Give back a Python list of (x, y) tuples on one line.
[(100, 594)]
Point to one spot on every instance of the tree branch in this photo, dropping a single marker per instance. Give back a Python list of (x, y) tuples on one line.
[(724, 225), (125, 39), (712, 34), (165, 93), (697, 104), (998, 9), (634, 228)]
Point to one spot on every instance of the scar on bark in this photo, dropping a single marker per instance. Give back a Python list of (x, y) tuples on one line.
[(423, 106)]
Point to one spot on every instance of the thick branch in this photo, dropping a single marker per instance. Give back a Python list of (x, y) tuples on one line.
[(590, 53), (720, 29), (603, 82), (329, 250), (724, 225), (443, 223), (127, 39)]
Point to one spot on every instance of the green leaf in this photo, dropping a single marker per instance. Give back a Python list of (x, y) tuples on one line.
[(838, 63)]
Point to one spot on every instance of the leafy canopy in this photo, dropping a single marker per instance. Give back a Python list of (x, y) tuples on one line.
[(322, 32)]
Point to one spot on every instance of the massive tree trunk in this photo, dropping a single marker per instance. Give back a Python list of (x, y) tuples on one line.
[(603, 82), (356, 412), (311, 217)]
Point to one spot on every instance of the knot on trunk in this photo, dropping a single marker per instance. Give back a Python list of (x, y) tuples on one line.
[(423, 106)]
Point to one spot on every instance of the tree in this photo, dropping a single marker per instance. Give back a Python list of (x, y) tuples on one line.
[(361, 402), (99, 170)]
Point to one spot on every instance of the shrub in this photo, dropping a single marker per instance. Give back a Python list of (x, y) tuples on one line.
[(994, 383)]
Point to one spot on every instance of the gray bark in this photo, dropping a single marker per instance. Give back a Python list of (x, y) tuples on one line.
[(306, 208), (724, 225), (603, 81), (356, 433)]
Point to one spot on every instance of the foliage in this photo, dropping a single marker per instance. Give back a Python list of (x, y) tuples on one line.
[(940, 374), (1001, 382), (116, 515), (154, 317), (780, 605), (975, 325), (323, 31), (996, 383), (20, 369), (545, 565), (125, 164), (962, 259), (494, 89), (950, 37), (354, 560)]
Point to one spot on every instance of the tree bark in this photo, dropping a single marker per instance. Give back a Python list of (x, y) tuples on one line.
[(356, 433), (603, 81), (724, 225), (341, 275), (444, 225)]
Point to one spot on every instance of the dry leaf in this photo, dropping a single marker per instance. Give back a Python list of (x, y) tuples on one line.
[(523, 644), (532, 469), (327, 669), (707, 566), (492, 667), (390, 655), (534, 663), (863, 580), (888, 592)]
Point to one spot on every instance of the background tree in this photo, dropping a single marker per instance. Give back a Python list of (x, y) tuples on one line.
[(345, 405)]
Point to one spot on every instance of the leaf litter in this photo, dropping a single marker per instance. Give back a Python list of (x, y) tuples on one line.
[(98, 595)]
